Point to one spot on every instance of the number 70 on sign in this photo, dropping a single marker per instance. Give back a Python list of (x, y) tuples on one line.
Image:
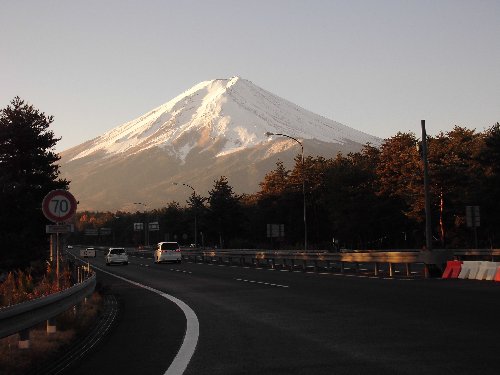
[(59, 205)]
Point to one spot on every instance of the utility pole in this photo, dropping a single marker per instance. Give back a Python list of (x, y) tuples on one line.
[(428, 224)]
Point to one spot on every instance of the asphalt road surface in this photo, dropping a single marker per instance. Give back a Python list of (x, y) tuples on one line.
[(261, 321)]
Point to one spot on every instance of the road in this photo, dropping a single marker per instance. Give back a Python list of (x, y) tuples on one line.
[(279, 322)]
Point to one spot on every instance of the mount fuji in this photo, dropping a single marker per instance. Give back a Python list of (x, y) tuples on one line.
[(216, 128)]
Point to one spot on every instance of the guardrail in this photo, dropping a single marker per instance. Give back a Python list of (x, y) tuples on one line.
[(406, 261), (22, 316), (292, 260), (477, 254)]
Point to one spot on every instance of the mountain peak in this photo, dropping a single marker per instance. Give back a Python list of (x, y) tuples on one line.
[(233, 111), (215, 128)]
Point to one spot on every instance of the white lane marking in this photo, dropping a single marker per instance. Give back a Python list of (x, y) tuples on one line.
[(188, 347), (262, 283)]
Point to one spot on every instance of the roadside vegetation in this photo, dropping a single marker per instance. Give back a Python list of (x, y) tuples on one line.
[(35, 282)]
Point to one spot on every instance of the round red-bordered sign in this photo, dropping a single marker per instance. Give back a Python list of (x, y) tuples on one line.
[(59, 206)]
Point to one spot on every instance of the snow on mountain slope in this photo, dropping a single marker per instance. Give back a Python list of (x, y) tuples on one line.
[(232, 110)]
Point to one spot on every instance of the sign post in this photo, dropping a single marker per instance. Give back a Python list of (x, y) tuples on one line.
[(58, 206), (473, 219)]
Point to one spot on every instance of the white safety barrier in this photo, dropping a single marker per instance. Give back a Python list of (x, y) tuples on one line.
[(487, 270), (469, 270)]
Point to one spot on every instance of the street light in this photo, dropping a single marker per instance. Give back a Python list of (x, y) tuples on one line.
[(195, 204), (268, 134), (146, 229)]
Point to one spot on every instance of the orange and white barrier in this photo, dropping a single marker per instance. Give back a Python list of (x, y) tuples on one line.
[(469, 270), (452, 269), (497, 275), (487, 270)]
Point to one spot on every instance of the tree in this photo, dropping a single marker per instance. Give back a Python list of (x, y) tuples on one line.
[(489, 158), (455, 177), (225, 211), (27, 173), (399, 173), (275, 182)]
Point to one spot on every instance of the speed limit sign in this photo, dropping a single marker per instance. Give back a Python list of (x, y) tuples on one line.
[(59, 206)]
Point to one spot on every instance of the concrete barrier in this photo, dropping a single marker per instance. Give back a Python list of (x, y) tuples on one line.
[(487, 270), (497, 275), (469, 270), (452, 269)]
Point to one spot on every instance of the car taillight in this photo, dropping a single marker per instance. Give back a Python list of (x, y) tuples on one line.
[(177, 250)]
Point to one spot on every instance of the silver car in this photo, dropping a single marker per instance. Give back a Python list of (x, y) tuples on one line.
[(116, 255)]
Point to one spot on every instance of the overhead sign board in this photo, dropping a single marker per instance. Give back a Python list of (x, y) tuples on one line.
[(472, 216), (275, 230), (91, 232), (105, 231), (59, 206)]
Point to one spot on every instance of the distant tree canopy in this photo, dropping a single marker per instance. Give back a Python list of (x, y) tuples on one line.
[(27, 173), (372, 199), (224, 211)]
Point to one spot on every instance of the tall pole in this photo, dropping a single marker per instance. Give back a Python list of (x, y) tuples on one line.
[(428, 225), (57, 260), (303, 182), (195, 211), (146, 224)]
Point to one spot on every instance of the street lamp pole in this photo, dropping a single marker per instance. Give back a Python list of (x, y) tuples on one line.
[(303, 182), (195, 211), (146, 224)]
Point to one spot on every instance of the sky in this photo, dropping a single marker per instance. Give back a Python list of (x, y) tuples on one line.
[(376, 66)]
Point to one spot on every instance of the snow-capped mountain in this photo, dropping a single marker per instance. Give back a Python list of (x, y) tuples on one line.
[(220, 125)]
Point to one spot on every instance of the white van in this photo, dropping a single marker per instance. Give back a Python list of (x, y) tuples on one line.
[(167, 251)]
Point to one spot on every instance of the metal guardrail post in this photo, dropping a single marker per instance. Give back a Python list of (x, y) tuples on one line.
[(391, 270), (24, 339)]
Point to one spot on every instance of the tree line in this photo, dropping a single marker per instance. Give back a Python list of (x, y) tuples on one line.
[(371, 199)]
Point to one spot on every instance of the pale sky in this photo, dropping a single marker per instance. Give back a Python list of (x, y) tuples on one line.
[(379, 66)]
